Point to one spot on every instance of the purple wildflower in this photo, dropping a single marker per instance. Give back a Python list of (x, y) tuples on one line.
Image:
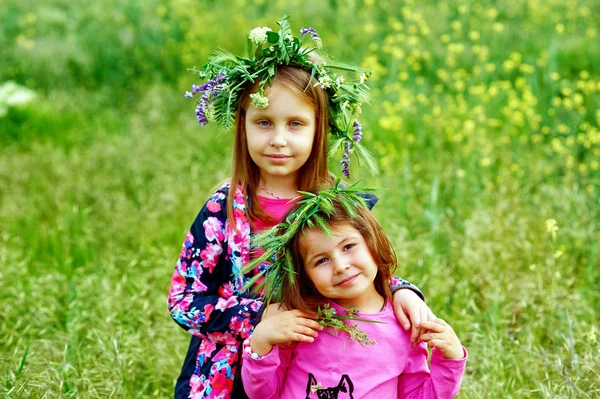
[(209, 92), (313, 33), (188, 94), (348, 148), (201, 115), (357, 132), (345, 162)]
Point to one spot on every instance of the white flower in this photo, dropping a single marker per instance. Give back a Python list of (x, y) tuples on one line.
[(340, 81), (14, 95), (324, 82), (259, 35), (363, 78), (259, 101)]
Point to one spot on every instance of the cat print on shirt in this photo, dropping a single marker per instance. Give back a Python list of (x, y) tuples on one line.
[(343, 390)]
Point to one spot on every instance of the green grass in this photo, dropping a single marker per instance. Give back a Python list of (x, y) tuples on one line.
[(478, 147)]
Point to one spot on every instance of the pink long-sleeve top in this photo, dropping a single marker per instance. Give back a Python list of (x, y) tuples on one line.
[(334, 367)]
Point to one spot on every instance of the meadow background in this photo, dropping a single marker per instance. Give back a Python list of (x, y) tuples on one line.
[(484, 120)]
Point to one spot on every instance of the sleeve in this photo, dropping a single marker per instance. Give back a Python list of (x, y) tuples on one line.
[(398, 283), (370, 199), (201, 298), (264, 377), (443, 381)]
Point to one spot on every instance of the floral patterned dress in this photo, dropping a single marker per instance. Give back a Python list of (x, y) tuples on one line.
[(206, 297)]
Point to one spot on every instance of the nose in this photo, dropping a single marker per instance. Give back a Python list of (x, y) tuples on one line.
[(278, 139), (340, 264)]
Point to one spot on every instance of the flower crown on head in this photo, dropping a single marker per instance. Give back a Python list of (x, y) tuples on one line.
[(227, 76)]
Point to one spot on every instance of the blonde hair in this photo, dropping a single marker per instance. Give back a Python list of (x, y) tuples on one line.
[(303, 295), (312, 174)]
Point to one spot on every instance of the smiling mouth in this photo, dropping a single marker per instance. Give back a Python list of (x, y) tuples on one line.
[(277, 158), (347, 281)]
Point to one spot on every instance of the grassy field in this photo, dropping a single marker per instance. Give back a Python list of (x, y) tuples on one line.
[(484, 119)]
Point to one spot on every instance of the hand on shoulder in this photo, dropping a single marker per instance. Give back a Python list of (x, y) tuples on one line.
[(439, 334)]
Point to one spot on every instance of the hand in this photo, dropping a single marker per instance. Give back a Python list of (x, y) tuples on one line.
[(284, 327), (440, 335), (273, 309), (411, 309)]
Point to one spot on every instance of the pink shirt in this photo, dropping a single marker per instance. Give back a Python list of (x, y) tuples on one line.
[(276, 208), (332, 366)]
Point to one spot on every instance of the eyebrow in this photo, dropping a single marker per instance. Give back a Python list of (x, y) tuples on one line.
[(347, 238), (265, 115)]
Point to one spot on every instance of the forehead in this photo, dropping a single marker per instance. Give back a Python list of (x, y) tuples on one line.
[(315, 240), (284, 99)]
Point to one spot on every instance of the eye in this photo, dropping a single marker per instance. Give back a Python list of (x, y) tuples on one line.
[(264, 123), (295, 124), (321, 261), (348, 247)]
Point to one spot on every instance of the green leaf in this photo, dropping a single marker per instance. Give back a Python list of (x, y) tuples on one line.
[(250, 47), (272, 37), (364, 155)]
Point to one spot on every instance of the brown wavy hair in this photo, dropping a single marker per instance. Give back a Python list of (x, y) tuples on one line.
[(312, 174), (303, 295)]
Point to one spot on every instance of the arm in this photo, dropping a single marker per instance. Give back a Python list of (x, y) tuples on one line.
[(409, 306), (268, 351), (201, 299), (264, 376), (448, 361)]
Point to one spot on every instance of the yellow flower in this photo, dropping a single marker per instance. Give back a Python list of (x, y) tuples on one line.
[(558, 254), (591, 336), (526, 68), (498, 26), (552, 227), (31, 18)]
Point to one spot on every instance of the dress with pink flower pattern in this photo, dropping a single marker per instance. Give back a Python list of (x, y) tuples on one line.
[(207, 300)]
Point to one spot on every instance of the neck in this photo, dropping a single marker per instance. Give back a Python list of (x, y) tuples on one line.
[(282, 187), (369, 302), (373, 305)]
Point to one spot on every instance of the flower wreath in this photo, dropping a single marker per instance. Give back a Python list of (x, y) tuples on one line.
[(228, 75)]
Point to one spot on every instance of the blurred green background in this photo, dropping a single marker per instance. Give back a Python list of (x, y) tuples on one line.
[(484, 119)]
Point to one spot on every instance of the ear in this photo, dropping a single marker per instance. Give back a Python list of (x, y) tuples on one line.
[(346, 384)]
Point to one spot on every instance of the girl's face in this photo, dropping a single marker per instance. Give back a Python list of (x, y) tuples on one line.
[(341, 266), (280, 137)]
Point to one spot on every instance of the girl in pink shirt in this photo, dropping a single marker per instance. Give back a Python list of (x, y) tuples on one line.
[(290, 355)]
